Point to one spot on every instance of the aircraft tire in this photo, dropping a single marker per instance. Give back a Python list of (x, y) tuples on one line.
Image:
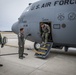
[(66, 49), (36, 46), (4, 40)]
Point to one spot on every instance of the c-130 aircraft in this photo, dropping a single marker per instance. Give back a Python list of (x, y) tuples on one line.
[(60, 15)]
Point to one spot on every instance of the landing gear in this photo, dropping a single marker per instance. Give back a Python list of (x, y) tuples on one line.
[(66, 48), (36, 46)]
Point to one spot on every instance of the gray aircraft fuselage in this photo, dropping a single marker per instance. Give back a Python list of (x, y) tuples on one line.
[(61, 14)]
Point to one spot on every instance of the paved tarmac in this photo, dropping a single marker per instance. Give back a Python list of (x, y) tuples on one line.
[(57, 63)]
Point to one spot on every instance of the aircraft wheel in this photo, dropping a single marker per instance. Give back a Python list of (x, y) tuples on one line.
[(66, 48), (4, 40), (36, 46)]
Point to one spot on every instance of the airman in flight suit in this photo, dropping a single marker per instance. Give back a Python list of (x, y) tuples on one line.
[(21, 43), (45, 32)]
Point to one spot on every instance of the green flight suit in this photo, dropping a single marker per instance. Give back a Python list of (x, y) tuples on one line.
[(45, 34), (21, 44)]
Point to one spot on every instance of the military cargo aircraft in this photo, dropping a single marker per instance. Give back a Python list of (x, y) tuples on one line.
[(60, 15)]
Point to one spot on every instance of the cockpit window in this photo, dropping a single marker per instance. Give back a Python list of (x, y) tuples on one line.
[(22, 17), (27, 9)]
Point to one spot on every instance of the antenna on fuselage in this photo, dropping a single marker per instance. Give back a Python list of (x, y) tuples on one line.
[(30, 3)]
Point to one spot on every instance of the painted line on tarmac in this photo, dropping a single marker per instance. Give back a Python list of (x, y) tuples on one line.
[(12, 46), (17, 47)]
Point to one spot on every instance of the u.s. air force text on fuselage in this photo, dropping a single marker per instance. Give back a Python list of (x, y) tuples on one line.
[(55, 3)]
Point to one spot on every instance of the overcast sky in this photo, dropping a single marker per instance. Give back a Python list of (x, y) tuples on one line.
[(10, 10)]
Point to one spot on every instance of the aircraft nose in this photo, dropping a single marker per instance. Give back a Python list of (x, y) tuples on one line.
[(15, 27)]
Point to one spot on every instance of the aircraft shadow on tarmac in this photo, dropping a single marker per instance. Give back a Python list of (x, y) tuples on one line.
[(55, 53)]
